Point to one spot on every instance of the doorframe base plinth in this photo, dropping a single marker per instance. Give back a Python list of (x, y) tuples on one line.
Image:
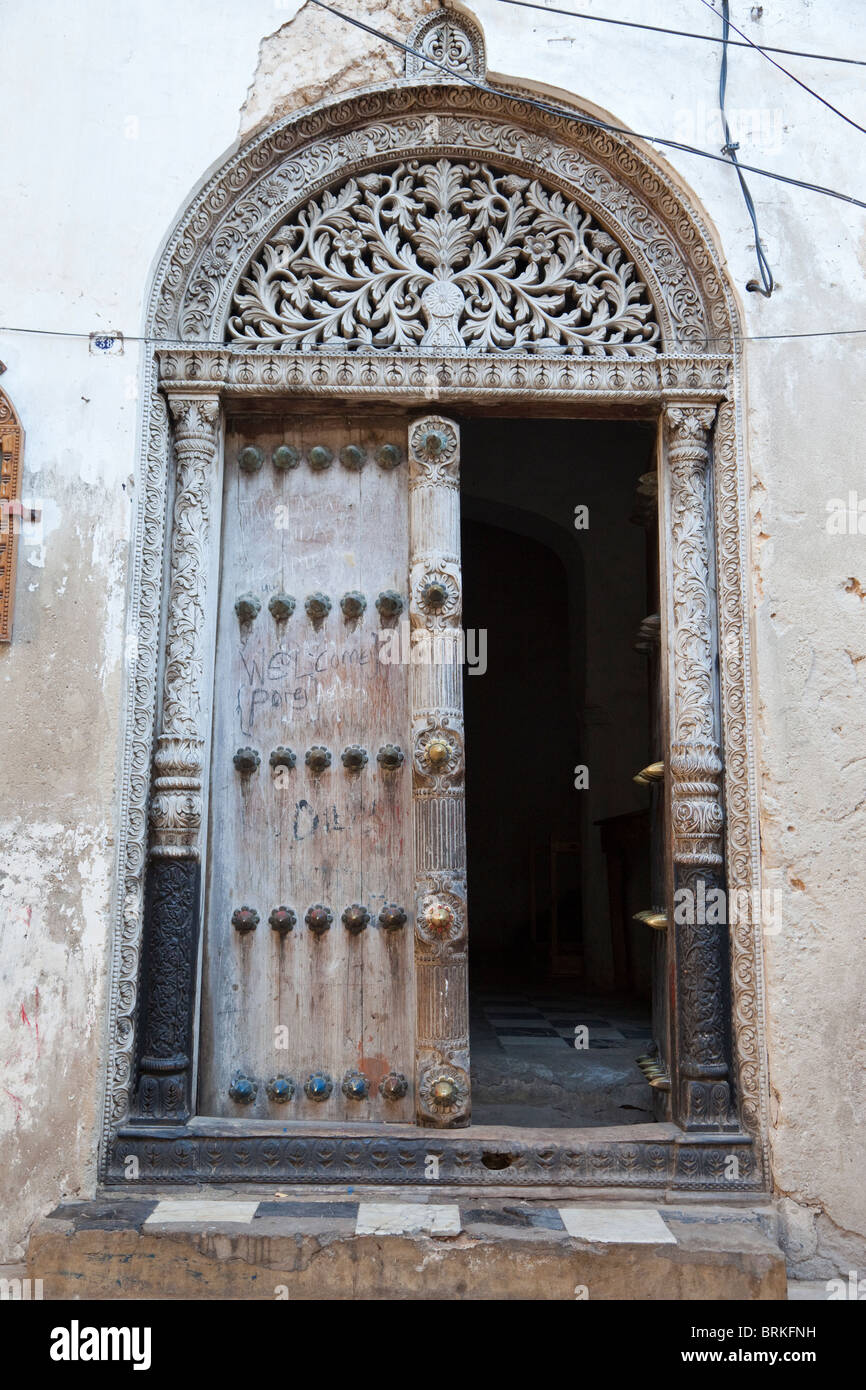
[(227, 1152)]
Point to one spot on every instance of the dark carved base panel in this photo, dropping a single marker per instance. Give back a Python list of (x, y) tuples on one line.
[(168, 991), (704, 1100), (706, 1106), (211, 1152)]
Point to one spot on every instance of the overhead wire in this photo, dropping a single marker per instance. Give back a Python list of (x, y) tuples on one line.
[(728, 24), (730, 148), (586, 119), (681, 33), (191, 345)]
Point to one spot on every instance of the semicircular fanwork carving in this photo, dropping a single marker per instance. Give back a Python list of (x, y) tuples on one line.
[(444, 254)]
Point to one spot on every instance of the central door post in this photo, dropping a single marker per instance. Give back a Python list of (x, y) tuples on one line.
[(438, 784)]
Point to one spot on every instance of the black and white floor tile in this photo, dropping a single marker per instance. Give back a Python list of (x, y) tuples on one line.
[(600, 1224), (518, 1022)]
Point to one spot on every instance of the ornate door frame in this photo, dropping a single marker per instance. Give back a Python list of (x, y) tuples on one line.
[(686, 372)]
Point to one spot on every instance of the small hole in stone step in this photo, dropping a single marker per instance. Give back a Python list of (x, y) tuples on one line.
[(497, 1160)]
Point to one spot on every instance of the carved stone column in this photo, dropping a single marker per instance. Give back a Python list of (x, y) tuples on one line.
[(438, 796), (172, 894), (702, 1099)]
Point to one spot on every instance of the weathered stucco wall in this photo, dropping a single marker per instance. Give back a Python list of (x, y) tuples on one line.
[(111, 119)]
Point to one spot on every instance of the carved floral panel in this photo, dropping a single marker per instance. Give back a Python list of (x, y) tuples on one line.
[(444, 255)]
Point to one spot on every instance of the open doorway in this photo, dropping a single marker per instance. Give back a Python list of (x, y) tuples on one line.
[(560, 572)]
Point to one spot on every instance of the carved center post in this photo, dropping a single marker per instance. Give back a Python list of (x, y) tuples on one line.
[(174, 870), (438, 792), (702, 1098)]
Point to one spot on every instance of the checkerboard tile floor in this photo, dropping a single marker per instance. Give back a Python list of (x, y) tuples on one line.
[(526, 1069), (521, 1022)]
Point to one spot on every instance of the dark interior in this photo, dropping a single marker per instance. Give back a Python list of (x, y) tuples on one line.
[(555, 871)]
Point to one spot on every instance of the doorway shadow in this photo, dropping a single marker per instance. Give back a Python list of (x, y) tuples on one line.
[(560, 978)]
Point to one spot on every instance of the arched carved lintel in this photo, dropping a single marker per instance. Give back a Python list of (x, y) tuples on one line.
[(303, 155), (444, 254)]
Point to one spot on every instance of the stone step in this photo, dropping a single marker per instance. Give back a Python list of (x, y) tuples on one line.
[(402, 1245)]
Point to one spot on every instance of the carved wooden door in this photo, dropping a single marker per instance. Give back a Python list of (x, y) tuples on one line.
[(315, 907)]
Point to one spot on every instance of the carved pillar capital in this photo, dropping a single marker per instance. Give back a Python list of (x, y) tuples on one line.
[(689, 425), (194, 418)]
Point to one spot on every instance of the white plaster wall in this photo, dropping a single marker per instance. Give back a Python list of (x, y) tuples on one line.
[(112, 114)]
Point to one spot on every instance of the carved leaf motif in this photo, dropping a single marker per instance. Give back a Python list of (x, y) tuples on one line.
[(518, 265)]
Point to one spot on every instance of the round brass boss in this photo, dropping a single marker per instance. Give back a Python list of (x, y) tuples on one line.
[(438, 752), (439, 918), (443, 1091)]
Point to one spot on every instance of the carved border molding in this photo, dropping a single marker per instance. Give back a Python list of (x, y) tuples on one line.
[(425, 377), (204, 258), (670, 1160)]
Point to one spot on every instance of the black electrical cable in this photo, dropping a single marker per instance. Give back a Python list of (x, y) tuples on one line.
[(730, 148), (724, 16), (681, 33), (192, 344), (585, 119)]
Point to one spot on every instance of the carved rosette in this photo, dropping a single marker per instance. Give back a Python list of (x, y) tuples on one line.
[(443, 1095), (440, 916), (434, 454), (437, 755), (436, 593), (703, 1098), (436, 701)]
